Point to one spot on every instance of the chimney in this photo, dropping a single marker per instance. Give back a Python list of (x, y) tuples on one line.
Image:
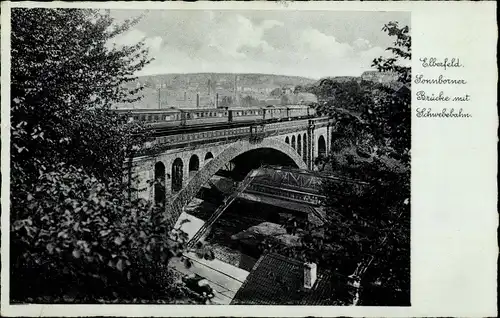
[(310, 275), (185, 95), (197, 100), (235, 87), (216, 100)]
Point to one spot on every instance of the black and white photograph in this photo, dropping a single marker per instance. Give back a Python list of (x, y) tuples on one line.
[(210, 157)]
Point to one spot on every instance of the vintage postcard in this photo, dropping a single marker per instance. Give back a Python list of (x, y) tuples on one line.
[(249, 159)]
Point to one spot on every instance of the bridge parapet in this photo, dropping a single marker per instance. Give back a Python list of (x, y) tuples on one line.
[(227, 134)]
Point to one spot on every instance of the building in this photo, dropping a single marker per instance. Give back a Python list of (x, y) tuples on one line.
[(379, 77), (241, 272), (279, 280)]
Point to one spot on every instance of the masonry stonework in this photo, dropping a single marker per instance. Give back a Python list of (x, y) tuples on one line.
[(223, 151)]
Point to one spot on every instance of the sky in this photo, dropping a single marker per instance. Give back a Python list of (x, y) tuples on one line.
[(312, 44)]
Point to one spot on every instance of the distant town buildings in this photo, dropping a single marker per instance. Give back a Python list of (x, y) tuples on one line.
[(217, 90), (379, 77), (209, 90)]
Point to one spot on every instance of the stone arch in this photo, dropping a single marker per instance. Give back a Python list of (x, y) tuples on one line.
[(287, 140), (293, 141), (177, 174), (304, 147), (299, 144), (194, 165), (321, 146), (209, 156), (159, 184), (236, 149)]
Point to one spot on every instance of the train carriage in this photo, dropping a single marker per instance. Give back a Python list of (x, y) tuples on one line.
[(238, 114), (165, 117), (276, 113), (197, 116), (173, 117), (301, 111)]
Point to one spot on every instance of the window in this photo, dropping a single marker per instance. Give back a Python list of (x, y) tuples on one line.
[(321, 146), (159, 185), (208, 157), (177, 173)]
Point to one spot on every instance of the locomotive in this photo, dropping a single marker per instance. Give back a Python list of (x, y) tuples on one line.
[(173, 117)]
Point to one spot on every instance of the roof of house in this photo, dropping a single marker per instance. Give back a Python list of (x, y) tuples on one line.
[(278, 280)]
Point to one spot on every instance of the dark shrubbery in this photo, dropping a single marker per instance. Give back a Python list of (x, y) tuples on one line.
[(368, 207), (76, 236)]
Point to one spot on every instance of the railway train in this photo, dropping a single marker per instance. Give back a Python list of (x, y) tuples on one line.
[(172, 117)]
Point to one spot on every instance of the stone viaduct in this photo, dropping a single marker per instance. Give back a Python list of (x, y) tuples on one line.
[(183, 161)]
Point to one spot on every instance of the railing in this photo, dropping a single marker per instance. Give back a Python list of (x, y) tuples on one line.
[(257, 132), (227, 202), (191, 189), (291, 195)]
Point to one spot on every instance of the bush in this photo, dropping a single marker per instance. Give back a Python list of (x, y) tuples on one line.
[(77, 234)]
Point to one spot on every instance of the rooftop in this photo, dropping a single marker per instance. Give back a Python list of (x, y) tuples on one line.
[(278, 280)]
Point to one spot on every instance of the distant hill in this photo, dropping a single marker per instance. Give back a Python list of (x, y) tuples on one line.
[(200, 89), (201, 81), (343, 79)]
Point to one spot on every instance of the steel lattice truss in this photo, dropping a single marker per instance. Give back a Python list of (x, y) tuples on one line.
[(287, 177)]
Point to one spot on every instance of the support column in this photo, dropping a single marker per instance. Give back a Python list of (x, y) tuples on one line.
[(328, 139), (148, 182), (311, 136)]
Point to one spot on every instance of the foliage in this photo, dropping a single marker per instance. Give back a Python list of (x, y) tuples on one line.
[(74, 230), (389, 117), (64, 78), (226, 101), (277, 92), (381, 112), (249, 101), (367, 212), (367, 204), (401, 51), (285, 99), (77, 229)]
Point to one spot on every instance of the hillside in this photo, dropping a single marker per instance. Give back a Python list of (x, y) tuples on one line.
[(202, 89), (201, 81)]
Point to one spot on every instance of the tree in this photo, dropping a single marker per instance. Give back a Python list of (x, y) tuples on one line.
[(390, 114), (367, 230), (344, 96), (367, 215), (401, 51), (249, 101), (276, 92), (73, 228), (226, 101), (64, 80), (285, 100)]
